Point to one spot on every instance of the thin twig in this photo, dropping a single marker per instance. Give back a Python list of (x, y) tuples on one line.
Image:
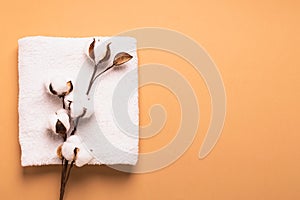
[(62, 178), (68, 174), (91, 81), (77, 121), (102, 72), (63, 185), (65, 172), (64, 162), (65, 169), (63, 102), (75, 125)]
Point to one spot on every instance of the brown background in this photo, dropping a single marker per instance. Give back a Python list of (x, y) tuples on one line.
[(256, 47)]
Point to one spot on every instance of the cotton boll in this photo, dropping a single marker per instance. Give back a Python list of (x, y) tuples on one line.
[(68, 147), (59, 86), (59, 122), (99, 49), (77, 108), (52, 122), (67, 150), (74, 139), (76, 111), (63, 116), (89, 50), (72, 145), (80, 105)]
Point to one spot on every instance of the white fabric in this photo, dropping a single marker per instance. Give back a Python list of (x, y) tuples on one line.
[(40, 59)]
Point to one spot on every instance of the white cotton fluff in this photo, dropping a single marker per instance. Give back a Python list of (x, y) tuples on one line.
[(83, 155), (78, 105), (59, 84), (60, 115)]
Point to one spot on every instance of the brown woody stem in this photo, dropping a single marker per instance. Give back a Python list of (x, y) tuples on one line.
[(98, 75), (91, 81), (63, 102), (69, 171), (65, 172), (63, 185), (64, 164)]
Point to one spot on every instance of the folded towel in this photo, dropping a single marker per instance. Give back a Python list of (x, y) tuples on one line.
[(41, 58)]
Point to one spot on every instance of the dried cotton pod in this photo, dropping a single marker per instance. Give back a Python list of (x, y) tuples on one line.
[(121, 58), (98, 51)]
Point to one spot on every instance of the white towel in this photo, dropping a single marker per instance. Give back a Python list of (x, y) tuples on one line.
[(104, 134)]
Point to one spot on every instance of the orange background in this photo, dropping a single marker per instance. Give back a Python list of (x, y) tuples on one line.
[(255, 44)]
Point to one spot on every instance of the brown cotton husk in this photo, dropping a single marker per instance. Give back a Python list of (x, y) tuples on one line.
[(122, 58), (60, 128), (91, 50), (59, 152), (70, 86), (52, 90), (76, 150), (107, 54)]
